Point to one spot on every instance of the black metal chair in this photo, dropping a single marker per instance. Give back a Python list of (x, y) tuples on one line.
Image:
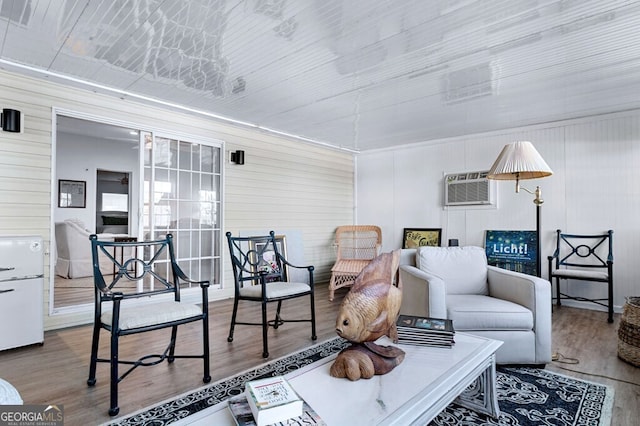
[(260, 272), (586, 258), (143, 294)]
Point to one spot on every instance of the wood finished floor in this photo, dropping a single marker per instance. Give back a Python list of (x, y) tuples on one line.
[(56, 372)]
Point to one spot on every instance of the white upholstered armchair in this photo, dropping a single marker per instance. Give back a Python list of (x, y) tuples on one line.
[(73, 257), (456, 283)]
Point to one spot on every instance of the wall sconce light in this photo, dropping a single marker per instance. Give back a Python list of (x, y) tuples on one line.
[(237, 157), (11, 120)]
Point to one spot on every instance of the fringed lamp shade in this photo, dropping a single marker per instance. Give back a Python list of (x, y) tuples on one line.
[(519, 160)]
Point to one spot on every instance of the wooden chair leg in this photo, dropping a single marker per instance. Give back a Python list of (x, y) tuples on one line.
[(332, 288)]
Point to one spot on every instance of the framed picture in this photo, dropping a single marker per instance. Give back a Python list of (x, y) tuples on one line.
[(72, 193), (418, 237), (513, 250), (268, 257)]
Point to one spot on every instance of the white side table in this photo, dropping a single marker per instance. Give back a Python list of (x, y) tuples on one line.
[(8, 394)]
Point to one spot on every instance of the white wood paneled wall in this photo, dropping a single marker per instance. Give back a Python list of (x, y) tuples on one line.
[(595, 187), (284, 184)]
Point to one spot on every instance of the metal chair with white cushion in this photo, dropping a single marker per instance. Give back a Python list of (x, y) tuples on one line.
[(583, 258), (261, 275), (143, 295)]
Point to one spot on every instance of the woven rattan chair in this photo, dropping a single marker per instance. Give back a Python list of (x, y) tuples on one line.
[(356, 245)]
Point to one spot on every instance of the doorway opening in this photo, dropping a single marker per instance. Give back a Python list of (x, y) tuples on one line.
[(113, 212)]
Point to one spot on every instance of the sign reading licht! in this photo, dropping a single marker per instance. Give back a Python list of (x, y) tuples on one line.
[(512, 250), (31, 415)]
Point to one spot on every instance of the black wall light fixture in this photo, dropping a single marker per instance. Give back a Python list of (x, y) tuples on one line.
[(11, 120), (237, 157)]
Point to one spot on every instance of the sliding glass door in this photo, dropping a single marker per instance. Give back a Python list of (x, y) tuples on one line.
[(182, 196)]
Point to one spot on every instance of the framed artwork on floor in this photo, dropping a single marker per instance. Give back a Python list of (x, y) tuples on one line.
[(513, 250), (268, 257), (418, 237)]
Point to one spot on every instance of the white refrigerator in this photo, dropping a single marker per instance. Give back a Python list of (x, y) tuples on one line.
[(21, 288)]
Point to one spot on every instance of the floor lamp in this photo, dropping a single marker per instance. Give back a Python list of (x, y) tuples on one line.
[(518, 161)]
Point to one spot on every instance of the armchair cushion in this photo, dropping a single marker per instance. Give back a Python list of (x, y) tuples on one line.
[(464, 269), (477, 312)]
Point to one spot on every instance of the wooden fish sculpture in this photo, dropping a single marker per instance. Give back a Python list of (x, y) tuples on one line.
[(369, 311), (364, 360), (371, 307)]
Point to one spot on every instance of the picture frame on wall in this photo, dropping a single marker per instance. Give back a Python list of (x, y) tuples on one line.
[(419, 237), (72, 193)]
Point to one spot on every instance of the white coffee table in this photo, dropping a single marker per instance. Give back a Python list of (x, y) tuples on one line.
[(415, 392)]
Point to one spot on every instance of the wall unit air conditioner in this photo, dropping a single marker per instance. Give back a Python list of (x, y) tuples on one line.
[(469, 189)]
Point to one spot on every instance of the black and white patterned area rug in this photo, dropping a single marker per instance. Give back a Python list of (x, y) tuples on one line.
[(527, 396), (532, 396)]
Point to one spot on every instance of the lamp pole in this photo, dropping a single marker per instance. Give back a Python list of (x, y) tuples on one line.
[(538, 202)]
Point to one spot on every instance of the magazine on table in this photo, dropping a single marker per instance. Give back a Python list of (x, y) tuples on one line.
[(425, 324), (425, 339), (241, 412), (433, 344)]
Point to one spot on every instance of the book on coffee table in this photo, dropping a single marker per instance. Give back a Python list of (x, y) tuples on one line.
[(272, 400), (241, 412)]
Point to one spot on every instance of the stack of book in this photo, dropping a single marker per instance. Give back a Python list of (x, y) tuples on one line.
[(271, 401), (423, 331)]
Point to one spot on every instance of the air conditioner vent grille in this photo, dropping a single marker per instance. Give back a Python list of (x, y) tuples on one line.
[(472, 188)]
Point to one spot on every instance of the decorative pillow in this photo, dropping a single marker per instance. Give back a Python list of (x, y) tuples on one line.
[(115, 220), (463, 269)]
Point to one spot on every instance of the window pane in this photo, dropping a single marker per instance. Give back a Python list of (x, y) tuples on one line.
[(115, 202)]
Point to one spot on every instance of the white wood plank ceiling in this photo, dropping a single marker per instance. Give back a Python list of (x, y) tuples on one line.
[(357, 74)]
